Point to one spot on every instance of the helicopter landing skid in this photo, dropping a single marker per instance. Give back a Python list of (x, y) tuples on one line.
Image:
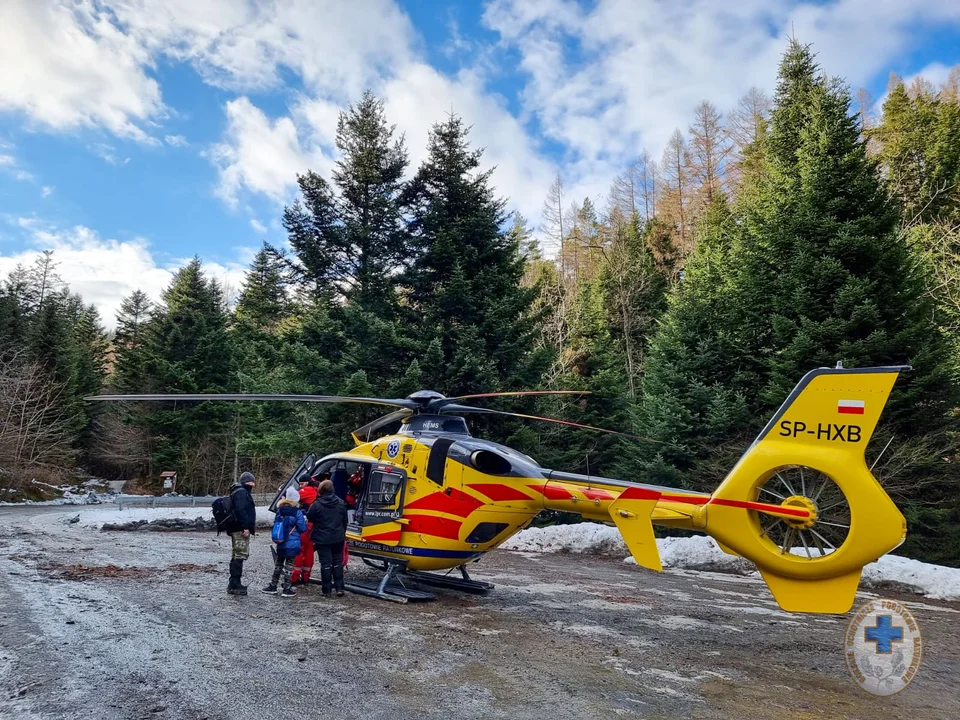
[(389, 587), (394, 593), (466, 583)]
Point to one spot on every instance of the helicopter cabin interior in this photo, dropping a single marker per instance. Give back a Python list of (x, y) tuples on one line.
[(372, 491)]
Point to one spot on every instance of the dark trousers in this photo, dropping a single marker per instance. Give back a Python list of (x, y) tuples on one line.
[(330, 556)]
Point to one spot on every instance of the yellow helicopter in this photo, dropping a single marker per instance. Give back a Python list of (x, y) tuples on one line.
[(801, 503)]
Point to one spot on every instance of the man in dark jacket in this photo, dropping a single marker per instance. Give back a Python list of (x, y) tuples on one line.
[(329, 517), (242, 526)]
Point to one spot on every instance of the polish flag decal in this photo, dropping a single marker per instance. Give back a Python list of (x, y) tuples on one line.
[(850, 407)]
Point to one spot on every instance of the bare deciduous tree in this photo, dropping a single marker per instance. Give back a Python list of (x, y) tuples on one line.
[(35, 422)]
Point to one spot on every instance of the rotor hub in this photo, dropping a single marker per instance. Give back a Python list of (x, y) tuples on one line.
[(803, 503)]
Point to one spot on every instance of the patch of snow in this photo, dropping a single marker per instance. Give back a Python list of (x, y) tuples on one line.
[(933, 581), (590, 538), (702, 553), (96, 519), (69, 498)]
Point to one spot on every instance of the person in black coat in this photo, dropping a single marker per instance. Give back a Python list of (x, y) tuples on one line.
[(242, 525), (329, 517)]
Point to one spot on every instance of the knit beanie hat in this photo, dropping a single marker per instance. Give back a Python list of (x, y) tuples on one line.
[(308, 495), (247, 477), (292, 495)]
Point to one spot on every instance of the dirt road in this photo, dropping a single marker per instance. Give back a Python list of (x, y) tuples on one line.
[(562, 636)]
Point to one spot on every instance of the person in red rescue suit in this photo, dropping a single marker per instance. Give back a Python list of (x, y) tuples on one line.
[(303, 565)]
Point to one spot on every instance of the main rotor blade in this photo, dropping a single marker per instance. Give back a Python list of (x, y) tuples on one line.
[(487, 411), (191, 397), (519, 392)]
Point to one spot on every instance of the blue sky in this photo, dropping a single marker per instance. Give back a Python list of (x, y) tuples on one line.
[(137, 133)]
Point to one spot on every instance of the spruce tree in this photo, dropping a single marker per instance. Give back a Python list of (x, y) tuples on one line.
[(188, 350), (350, 243), (128, 343), (809, 270), (464, 283), (263, 302), (919, 138)]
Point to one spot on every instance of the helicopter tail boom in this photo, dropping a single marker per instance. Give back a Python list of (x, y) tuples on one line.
[(801, 503)]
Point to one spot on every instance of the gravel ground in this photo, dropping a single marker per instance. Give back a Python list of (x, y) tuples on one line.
[(138, 625)]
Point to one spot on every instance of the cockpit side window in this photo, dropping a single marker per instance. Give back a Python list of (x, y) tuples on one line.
[(384, 487)]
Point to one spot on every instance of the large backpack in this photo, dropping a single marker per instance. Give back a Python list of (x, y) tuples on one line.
[(223, 512)]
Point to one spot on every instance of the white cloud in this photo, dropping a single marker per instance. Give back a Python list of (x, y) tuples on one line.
[(10, 166), (108, 153), (47, 190), (88, 63), (257, 226), (640, 68), (104, 271), (936, 73), (67, 66), (242, 44), (260, 155), (176, 140), (420, 96)]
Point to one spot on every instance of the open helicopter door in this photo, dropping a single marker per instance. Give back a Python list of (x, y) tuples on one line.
[(382, 515), (305, 466)]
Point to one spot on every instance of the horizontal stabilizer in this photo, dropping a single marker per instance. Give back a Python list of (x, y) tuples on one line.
[(632, 514)]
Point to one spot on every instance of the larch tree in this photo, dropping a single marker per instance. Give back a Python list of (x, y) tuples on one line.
[(747, 125), (709, 150), (675, 188)]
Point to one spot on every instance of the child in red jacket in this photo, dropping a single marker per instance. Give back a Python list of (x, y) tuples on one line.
[(303, 565)]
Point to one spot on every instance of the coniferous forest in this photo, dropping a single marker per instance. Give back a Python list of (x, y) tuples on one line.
[(788, 233)]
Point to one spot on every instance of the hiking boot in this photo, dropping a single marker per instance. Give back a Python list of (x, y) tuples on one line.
[(237, 590), (339, 592), (288, 592), (269, 590)]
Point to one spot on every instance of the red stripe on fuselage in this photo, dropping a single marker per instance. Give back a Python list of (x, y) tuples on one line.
[(455, 503), (640, 493), (785, 509), (552, 492), (596, 494), (436, 526), (495, 491), (383, 537)]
